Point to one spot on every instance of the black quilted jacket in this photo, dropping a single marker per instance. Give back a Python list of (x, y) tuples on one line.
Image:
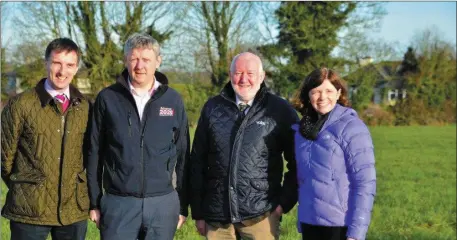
[(237, 163)]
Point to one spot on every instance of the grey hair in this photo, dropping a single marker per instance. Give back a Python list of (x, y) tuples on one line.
[(232, 65), (141, 40)]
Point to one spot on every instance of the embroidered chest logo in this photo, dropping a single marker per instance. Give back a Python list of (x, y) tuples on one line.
[(261, 123), (166, 112), (326, 137)]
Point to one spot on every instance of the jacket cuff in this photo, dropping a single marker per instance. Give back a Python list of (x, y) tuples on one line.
[(197, 217), (184, 211), (94, 208), (357, 233), (196, 214), (286, 205)]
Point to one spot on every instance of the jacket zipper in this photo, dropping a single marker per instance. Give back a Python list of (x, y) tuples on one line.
[(130, 123), (236, 148), (143, 124), (62, 126), (62, 148), (142, 164)]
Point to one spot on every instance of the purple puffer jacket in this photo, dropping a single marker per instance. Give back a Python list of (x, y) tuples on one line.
[(336, 174)]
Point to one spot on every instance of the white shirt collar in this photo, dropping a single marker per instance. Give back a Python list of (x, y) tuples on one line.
[(53, 92), (150, 91), (238, 101)]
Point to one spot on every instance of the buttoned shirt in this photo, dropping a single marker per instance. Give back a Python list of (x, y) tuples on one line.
[(238, 101), (54, 93), (142, 99)]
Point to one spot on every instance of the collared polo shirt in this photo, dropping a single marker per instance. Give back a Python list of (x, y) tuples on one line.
[(142, 99)]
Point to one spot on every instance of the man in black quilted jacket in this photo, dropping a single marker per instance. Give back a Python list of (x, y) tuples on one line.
[(237, 158)]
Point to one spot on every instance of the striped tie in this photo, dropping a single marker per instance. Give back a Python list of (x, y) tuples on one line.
[(64, 101), (243, 107)]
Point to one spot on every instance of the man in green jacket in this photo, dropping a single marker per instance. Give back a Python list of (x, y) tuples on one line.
[(43, 131)]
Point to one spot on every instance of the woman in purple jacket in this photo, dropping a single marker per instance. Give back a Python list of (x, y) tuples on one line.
[(335, 162)]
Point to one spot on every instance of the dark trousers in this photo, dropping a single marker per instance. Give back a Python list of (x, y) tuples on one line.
[(129, 218), (312, 232), (23, 231)]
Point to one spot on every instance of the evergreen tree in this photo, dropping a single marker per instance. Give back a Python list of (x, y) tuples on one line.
[(308, 33), (409, 63)]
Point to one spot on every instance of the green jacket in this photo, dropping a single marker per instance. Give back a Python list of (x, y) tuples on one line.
[(42, 158)]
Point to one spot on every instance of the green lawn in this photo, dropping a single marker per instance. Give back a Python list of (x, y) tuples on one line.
[(416, 188)]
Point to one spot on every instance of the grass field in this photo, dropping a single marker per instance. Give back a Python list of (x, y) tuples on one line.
[(416, 188)]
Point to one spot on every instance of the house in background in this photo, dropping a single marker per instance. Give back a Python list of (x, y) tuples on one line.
[(388, 85), (81, 81)]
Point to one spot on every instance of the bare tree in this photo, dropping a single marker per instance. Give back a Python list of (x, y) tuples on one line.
[(354, 42), (215, 32), (99, 28), (44, 20), (267, 20)]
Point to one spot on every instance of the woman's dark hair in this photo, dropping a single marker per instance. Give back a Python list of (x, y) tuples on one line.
[(301, 100)]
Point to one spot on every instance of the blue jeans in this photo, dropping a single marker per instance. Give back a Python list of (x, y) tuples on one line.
[(23, 231)]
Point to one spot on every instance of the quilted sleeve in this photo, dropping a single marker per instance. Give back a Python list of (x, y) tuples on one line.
[(198, 159), (182, 165), (289, 195), (95, 153), (11, 128), (360, 162)]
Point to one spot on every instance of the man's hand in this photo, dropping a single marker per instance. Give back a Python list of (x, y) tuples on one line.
[(181, 221), (201, 227), (94, 216), (278, 211)]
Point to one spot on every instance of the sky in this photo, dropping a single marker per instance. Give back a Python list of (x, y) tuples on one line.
[(402, 21), (405, 19)]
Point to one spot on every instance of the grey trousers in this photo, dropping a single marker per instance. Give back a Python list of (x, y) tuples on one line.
[(129, 218)]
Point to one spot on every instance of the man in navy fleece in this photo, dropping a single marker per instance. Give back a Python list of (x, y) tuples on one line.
[(140, 148)]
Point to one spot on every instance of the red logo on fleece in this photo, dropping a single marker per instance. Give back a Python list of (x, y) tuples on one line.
[(164, 112)]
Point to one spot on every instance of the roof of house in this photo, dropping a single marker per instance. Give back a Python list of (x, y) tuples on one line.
[(385, 73)]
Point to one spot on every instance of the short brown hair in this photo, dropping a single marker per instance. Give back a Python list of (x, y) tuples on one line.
[(301, 100), (62, 45)]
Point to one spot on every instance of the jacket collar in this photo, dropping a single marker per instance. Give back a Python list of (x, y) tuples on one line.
[(228, 93), (123, 78), (337, 113), (75, 95)]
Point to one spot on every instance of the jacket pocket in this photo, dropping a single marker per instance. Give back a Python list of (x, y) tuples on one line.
[(169, 153), (39, 147), (171, 164), (129, 119), (337, 191), (82, 198), (27, 197)]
